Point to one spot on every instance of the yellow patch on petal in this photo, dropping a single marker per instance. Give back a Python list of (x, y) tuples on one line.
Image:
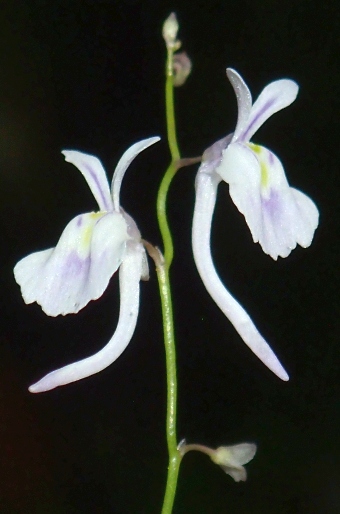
[(257, 149), (87, 233)]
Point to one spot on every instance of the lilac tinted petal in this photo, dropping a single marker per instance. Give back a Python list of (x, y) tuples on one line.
[(289, 217), (212, 156), (274, 97), (241, 170), (65, 278), (244, 101), (206, 188), (132, 228), (123, 165), (129, 277), (94, 174)]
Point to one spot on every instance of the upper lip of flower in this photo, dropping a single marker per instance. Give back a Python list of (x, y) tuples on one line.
[(274, 97), (92, 247)]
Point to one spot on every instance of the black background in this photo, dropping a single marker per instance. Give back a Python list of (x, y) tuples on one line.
[(89, 76)]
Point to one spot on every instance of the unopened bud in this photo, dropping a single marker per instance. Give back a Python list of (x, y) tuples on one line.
[(181, 68), (170, 29)]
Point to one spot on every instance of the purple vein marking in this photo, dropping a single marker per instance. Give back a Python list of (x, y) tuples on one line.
[(266, 106), (272, 205), (100, 193)]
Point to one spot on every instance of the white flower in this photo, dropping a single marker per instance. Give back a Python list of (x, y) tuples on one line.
[(278, 216), (92, 247)]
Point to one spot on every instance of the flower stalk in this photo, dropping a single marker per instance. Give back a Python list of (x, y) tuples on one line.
[(163, 268)]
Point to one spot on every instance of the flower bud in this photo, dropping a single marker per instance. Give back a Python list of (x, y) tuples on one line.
[(181, 68), (170, 29)]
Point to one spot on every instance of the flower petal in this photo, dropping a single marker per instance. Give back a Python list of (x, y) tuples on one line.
[(206, 188), (239, 454), (241, 170), (232, 458), (94, 174), (129, 277), (279, 217), (289, 218), (123, 165), (244, 101), (65, 278), (308, 216), (239, 474), (274, 97), (212, 156)]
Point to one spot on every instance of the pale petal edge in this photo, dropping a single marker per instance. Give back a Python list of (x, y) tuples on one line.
[(239, 474), (94, 174), (244, 101), (128, 156)]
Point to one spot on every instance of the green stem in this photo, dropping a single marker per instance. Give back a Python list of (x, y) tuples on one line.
[(170, 350), (162, 217), (170, 114), (162, 267), (171, 171)]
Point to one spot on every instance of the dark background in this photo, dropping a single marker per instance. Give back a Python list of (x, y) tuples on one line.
[(89, 76)]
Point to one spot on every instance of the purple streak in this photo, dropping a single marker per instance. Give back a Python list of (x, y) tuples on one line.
[(271, 158), (74, 265), (262, 111), (272, 204), (107, 207)]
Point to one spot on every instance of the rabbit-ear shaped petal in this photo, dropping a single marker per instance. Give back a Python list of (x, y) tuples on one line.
[(128, 156), (94, 174), (274, 97)]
